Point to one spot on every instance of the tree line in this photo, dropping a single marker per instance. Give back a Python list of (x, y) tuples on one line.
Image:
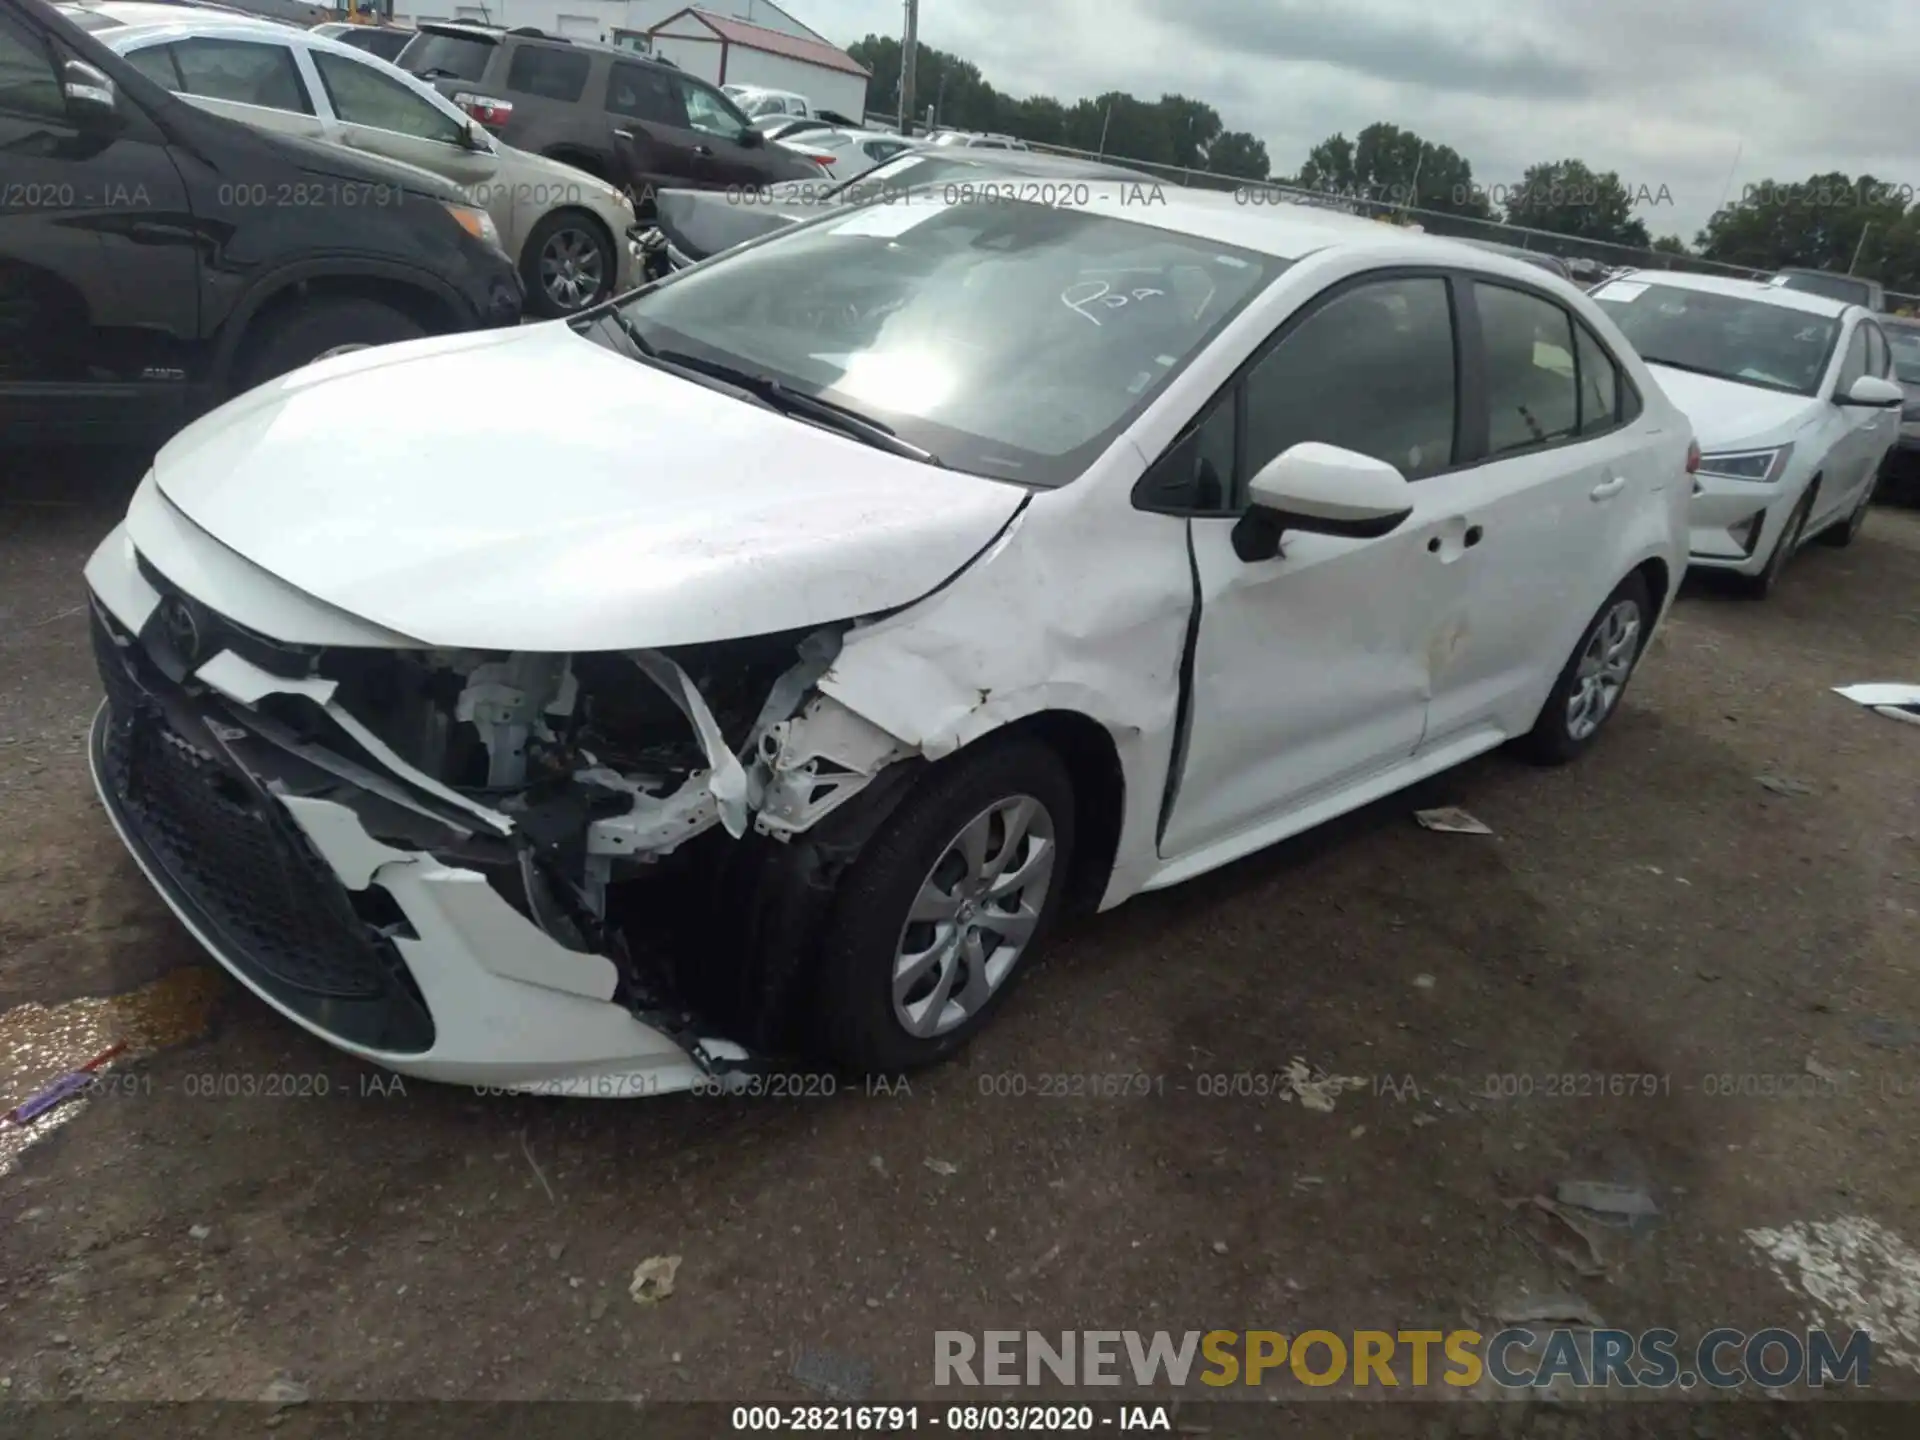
[(1826, 222)]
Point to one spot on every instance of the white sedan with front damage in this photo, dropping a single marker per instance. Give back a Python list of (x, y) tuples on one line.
[(758, 666)]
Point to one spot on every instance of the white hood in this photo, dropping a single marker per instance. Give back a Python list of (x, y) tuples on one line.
[(528, 489), (1727, 414)]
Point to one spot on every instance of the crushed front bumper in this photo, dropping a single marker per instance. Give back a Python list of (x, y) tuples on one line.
[(388, 946)]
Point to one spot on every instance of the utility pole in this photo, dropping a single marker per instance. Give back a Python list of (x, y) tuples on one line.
[(909, 51), (1858, 248)]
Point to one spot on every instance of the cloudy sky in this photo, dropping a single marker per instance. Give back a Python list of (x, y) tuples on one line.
[(1666, 92)]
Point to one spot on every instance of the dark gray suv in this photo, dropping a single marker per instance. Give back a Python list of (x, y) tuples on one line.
[(634, 121)]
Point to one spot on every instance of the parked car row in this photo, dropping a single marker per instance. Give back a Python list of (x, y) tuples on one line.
[(156, 258)]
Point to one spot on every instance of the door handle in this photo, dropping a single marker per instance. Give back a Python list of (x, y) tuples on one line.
[(703, 150), (1608, 489), (623, 134)]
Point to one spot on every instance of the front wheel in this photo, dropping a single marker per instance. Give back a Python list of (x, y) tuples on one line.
[(1844, 534), (1761, 586), (935, 921), (1595, 677), (318, 330), (568, 263)]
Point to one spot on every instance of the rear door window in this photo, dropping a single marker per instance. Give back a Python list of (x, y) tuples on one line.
[(547, 72), (642, 92), (29, 85), (710, 111), (1531, 393), (448, 57), (1599, 384), (246, 72), (361, 95)]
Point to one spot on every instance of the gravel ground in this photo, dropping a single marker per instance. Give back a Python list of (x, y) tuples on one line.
[(1655, 911)]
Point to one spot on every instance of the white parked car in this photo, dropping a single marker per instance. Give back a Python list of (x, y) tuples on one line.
[(764, 106), (777, 653), (565, 229), (844, 154), (1792, 396)]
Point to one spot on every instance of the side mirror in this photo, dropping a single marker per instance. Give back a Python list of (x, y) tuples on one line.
[(89, 93), (474, 138), (1874, 393), (1322, 489), (753, 137)]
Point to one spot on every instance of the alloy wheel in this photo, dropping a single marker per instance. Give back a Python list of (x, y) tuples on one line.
[(572, 269), (973, 915), (1603, 670)]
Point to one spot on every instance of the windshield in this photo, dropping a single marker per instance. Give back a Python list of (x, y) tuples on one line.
[(753, 106), (1012, 340), (1726, 336), (459, 57), (1834, 287), (919, 168)]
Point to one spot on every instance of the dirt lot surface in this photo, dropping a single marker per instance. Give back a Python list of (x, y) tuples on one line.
[(1658, 972)]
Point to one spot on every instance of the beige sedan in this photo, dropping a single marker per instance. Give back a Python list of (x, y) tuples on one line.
[(565, 229)]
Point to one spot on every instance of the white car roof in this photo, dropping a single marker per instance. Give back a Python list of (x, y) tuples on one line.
[(131, 13), (1277, 227), (1779, 295)]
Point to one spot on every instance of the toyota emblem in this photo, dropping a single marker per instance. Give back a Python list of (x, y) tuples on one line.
[(183, 631)]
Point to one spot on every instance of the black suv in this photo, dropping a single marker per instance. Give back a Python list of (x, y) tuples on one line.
[(155, 258), (634, 121)]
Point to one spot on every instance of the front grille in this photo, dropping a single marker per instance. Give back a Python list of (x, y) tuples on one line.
[(240, 865)]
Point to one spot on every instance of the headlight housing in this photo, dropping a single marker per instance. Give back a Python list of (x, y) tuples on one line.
[(477, 223), (1760, 466)]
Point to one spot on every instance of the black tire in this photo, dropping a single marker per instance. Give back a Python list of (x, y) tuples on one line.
[(854, 1020), (1845, 532), (1785, 547), (595, 250), (1552, 741), (304, 333)]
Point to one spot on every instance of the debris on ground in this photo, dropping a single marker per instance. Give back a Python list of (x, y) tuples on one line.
[(1824, 1073), (1884, 1033), (1590, 1266), (1451, 820), (878, 1166), (61, 1089), (282, 1391), (653, 1279), (1552, 1310), (1784, 785), (1424, 982), (834, 1376), (1317, 1089), (1602, 1198), (1896, 702), (942, 1167)]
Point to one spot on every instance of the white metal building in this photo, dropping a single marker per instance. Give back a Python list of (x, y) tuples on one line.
[(617, 22), (730, 51)]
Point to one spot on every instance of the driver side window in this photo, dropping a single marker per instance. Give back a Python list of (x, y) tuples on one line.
[(29, 85), (1370, 370), (709, 112)]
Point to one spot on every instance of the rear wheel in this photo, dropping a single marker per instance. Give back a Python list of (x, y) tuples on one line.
[(1588, 691), (318, 330), (934, 922)]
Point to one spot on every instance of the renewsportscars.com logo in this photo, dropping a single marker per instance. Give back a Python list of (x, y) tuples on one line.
[(1516, 1358)]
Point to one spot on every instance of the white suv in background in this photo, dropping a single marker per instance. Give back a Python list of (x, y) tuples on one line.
[(1792, 397)]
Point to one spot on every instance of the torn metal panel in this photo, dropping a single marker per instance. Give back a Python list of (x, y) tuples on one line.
[(1082, 607), (728, 780), (241, 680), (809, 766)]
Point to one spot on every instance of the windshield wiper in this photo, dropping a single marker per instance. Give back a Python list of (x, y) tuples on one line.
[(1682, 365), (432, 70), (788, 401)]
